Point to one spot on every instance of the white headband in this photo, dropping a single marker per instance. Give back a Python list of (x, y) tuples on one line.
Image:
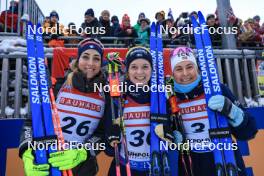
[(182, 57)]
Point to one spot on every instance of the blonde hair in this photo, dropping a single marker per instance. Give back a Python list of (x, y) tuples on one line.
[(74, 68), (105, 12)]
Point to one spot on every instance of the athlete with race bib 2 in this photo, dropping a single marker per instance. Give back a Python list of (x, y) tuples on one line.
[(191, 101)]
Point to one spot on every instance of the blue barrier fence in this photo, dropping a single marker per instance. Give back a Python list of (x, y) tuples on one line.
[(10, 133)]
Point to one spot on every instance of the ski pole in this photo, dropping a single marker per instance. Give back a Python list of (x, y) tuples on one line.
[(124, 141), (117, 160), (114, 92), (114, 61), (56, 121), (177, 119), (57, 128)]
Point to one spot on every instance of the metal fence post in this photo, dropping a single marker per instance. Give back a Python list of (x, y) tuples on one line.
[(18, 87), (4, 85), (230, 43)]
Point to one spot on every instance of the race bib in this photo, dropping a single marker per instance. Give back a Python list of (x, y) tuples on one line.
[(196, 123), (76, 127), (79, 114), (137, 124)]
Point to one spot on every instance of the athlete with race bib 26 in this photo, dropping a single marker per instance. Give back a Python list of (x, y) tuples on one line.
[(82, 110)]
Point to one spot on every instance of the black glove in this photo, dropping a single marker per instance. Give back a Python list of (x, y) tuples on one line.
[(114, 134)]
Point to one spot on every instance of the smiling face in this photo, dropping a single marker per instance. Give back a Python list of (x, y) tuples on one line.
[(185, 72), (143, 24), (106, 17), (139, 71), (88, 18), (159, 17), (211, 21), (54, 19), (90, 63), (126, 22)]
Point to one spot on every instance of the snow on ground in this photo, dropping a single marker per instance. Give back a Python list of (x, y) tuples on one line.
[(261, 101), (9, 111), (11, 45), (252, 103)]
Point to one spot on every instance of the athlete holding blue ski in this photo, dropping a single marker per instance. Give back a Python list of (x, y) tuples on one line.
[(191, 101), (136, 115), (82, 110)]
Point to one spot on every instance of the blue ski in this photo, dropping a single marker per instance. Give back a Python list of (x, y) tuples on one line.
[(45, 97), (162, 98), (160, 163), (35, 102), (219, 132), (154, 147), (43, 129)]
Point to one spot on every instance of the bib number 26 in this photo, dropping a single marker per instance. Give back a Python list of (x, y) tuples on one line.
[(82, 129)]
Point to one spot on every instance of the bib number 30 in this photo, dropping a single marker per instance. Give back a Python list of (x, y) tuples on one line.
[(139, 138)]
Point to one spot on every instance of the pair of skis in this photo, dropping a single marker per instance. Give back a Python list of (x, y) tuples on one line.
[(219, 133), (114, 70), (42, 100), (159, 156)]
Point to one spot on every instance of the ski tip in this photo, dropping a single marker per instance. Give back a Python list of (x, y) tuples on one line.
[(29, 23), (193, 18), (153, 24), (200, 16)]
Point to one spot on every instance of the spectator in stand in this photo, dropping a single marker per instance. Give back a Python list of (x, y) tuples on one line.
[(143, 32), (262, 28), (160, 17), (104, 20), (212, 26), (71, 31), (232, 20), (126, 30), (115, 25), (91, 26), (46, 22), (137, 26), (12, 15), (195, 14), (256, 20), (257, 26), (169, 23), (45, 25), (257, 33), (246, 32), (54, 29), (191, 36), (249, 36), (182, 24)]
